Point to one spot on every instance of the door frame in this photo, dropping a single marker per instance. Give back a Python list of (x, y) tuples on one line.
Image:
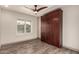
[(61, 30)]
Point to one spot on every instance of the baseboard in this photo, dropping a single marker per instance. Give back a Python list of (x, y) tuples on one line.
[(15, 43), (71, 48), (38, 38)]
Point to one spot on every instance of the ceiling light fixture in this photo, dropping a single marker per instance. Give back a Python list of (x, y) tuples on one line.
[(35, 12), (36, 9)]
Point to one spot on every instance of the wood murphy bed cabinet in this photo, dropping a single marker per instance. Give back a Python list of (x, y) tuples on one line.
[(51, 28)]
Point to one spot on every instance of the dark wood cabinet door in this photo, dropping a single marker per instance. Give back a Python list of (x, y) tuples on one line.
[(44, 30), (51, 25)]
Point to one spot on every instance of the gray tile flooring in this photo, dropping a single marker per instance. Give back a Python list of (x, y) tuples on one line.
[(34, 47)]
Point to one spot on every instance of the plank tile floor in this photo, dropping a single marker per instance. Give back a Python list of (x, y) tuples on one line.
[(34, 47)]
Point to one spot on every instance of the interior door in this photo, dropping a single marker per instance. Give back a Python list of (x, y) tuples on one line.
[(51, 25)]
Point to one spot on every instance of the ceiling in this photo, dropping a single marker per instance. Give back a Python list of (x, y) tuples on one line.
[(22, 9)]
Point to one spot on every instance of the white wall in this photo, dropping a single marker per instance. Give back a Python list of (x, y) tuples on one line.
[(39, 27), (0, 26), (71, 27), (9, 28)]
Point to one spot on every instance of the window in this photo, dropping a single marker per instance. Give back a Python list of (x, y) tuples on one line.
[(23, 26), (28, 26), (20, 26)]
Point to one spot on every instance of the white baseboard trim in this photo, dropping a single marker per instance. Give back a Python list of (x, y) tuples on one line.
[(17, 42), (71, 48)]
